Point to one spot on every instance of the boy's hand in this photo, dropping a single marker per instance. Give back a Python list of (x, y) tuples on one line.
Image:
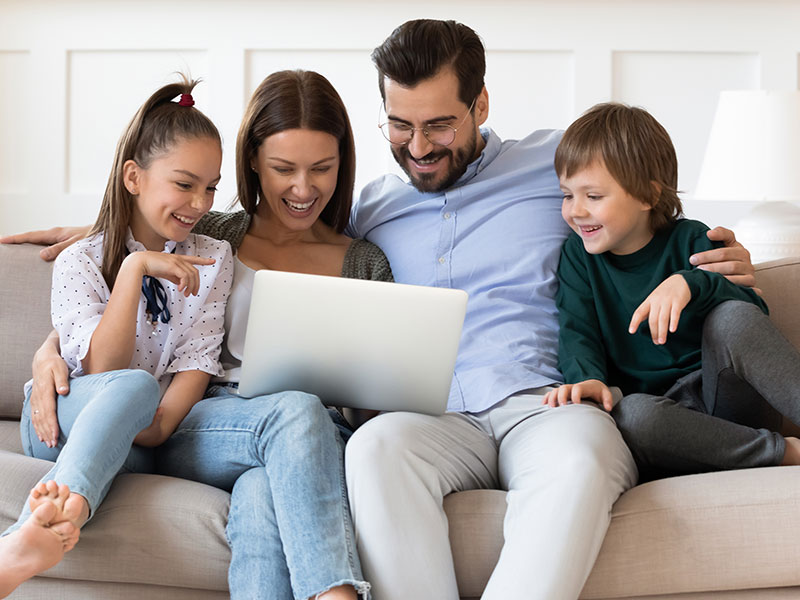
[(591, 389), (662, 308)]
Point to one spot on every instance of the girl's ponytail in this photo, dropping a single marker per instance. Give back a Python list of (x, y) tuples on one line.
[(155, 128)]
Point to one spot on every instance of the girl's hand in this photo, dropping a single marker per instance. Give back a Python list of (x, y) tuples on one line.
[(591, 389), (662, 308), (50, 378), (153, 435), (178, 268)]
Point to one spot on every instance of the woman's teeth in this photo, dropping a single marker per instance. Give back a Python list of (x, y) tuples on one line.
[(297, 206), (185, 220)]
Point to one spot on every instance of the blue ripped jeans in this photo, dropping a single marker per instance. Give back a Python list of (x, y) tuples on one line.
[(98, 420), (282, 458)]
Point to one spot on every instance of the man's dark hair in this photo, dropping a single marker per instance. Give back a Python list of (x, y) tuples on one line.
[(418, 50)]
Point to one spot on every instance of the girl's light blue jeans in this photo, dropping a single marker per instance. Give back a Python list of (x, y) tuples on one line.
[(282, 458), (98, 420)]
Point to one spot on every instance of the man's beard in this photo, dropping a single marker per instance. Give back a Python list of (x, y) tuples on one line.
[(425, 182)]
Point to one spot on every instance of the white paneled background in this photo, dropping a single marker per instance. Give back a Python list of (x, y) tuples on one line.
[(73, 72)]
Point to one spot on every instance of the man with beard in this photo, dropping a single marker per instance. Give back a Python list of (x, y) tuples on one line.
[(483, 215)]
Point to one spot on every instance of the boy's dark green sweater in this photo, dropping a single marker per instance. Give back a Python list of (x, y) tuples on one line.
[(598, 294)]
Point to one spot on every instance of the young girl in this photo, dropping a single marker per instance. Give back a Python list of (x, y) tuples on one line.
[(139, 309), (706, 374)]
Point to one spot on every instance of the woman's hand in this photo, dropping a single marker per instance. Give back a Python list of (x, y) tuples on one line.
[(180, 269), (50, 378), (591, 389), (732, 261), (56, 239), (663, 308)]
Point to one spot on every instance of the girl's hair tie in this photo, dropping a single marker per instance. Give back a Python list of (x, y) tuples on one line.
[(186, 100)]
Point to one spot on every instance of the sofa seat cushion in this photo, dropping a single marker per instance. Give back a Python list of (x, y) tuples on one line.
[(717, 531), (9, 436), (150, 530)]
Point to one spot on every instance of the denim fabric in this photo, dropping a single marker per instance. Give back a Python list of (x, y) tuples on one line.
[(281, 456), (98, 420)]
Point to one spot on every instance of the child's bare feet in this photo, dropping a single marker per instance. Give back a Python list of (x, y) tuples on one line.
[(35, 547), (69, 506), (792, 454)]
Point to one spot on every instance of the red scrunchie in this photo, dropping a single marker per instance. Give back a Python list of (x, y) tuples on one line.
[(186, 100)]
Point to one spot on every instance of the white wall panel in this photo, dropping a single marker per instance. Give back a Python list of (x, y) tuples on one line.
[(529, 90), (105, 88), (73, 71), (16, 156), (681, 89)]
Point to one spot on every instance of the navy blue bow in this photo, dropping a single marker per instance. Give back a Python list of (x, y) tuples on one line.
[(156, 297)]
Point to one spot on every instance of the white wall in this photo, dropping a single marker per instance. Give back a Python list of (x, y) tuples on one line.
[(73, 72)]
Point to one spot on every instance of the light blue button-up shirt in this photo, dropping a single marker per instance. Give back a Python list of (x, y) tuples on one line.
[(496, 233)]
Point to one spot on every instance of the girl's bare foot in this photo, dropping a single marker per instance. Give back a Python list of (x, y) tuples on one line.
[(71, 507), (35, 547), (792, 454)]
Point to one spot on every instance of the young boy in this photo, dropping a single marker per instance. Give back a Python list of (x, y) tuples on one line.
[(691, 352)]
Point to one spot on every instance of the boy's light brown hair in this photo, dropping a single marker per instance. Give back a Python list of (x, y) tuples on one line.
[(636, 150)]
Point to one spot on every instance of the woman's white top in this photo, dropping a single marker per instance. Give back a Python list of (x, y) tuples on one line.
[(192, 338), (236, 315)]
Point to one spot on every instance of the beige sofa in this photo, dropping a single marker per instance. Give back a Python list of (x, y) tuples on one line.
[(722, 535)]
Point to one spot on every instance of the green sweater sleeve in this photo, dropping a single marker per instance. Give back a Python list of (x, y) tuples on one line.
[(710, 289), (581, 352)]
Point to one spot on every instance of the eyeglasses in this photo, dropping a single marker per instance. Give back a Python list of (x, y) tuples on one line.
[(400, 133)]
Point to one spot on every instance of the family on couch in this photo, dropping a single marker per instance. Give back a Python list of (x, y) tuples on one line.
[(478, 214)]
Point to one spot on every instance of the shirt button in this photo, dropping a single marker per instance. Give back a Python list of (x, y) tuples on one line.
[(441, 260), (446, 215)]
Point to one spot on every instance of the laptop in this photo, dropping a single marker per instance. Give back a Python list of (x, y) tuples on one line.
[(354, 343)]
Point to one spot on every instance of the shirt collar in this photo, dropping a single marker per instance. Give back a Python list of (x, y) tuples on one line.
[(491, 149), (134, 246)]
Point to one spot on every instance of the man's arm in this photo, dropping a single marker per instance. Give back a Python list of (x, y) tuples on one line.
[(55, 238), (732, 261)]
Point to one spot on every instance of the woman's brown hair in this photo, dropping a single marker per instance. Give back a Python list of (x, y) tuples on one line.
[(296, 100)]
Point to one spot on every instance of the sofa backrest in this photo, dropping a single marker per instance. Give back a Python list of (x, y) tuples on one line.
[(25, 321), (779, 280), (25, 309)]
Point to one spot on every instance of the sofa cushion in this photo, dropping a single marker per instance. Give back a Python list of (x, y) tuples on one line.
[(9, 436), (717, 531), (150, 530), (25, 298), (780, 282)]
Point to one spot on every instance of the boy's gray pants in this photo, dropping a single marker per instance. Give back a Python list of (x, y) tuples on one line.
[(725, 415)]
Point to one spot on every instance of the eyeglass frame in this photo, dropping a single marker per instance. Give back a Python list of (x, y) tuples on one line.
[(424, 129)]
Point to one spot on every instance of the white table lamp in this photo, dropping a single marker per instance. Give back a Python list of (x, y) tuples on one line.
[(753, 154)]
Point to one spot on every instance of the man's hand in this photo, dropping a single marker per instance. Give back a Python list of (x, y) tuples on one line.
[(662, 308), (732, 261), (591, 389), (56, 239)]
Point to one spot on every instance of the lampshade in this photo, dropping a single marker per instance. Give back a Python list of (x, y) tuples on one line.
[(753, 154)]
